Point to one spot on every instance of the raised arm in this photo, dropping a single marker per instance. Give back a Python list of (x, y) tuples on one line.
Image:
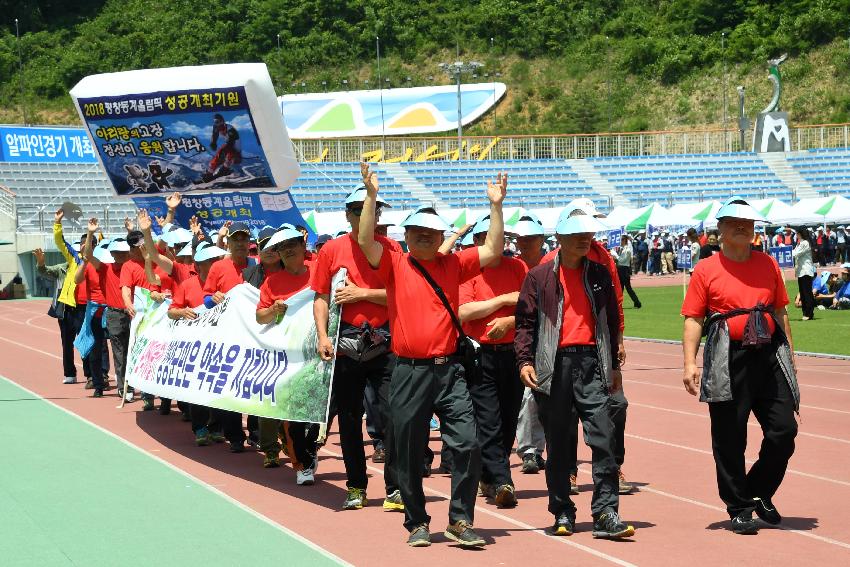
[(144, 220), (366, 236), (89, 255), (449, 243), (172, 201), (494, 244)]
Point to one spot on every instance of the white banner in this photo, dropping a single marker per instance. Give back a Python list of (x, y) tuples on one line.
[(224, 359)]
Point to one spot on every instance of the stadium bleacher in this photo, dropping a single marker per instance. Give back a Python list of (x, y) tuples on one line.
[(827, 170)]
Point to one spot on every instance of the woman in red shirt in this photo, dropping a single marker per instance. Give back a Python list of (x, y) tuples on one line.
[(737, 298)]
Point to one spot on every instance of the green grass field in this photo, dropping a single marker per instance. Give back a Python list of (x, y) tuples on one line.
[(659, 318)]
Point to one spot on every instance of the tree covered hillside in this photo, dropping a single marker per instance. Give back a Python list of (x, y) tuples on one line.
[(570, 65)]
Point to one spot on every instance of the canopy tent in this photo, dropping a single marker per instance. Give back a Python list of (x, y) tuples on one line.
[(833, 209)]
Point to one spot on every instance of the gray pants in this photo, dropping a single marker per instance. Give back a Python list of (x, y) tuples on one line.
[(118, 325), (529, 430), (576, 383), (417, 390)]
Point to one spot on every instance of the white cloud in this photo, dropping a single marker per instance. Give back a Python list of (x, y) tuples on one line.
[(183, 128)]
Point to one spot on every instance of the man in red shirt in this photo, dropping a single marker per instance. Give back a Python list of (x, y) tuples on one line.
[(428, 376), (737, 299), (487, 305), (566, 325), (363, 355), (86, 277), (224, 275)]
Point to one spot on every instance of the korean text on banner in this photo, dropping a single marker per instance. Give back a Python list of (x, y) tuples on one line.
[(783, 256), (224, 359), (202, 129), (45, 145)]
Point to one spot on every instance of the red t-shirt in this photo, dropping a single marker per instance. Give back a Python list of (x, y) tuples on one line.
[(81, 292), (578, 323), (188, 293), (419, 324), (92, 281), (507, 277), (182, 272), (599, 254), (224, 275), (109, 276), (719, 284), (282, 285), (133, 275), (166, 282), (344, 252)]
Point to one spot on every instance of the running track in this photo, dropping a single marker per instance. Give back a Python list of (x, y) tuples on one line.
[(677, 512)]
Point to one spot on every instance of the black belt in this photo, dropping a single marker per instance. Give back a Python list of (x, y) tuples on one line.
[(577, 348), (739, 345), (502, 347), (433, 361)]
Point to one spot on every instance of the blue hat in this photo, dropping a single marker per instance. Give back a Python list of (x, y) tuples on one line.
[(323, 238), (577, 224), (208, 252), (358, 195), (101, 252), (265, 233), (238, 227), (283, 234), (481, 225), (737, 207), (426, 217)]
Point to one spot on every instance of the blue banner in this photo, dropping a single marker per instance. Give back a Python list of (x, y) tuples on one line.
[(683, 258), (199, 140), (782, 255), (45, 145), (614, 237), (256, 209)]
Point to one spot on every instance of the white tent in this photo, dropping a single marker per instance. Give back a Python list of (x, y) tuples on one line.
[(835, 209)]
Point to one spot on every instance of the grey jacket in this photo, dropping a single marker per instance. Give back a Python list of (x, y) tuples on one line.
[(716, 383), (539, 314)]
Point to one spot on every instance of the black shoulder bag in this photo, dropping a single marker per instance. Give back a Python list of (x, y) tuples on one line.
[(467, 348)]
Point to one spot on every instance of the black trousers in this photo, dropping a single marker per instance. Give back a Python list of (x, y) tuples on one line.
[(576, 383), (758, 386), (94, 360), (625, 274), (298, 436), (418, 390), (496, 398), (349, 383), (642, 260), (203, 416), (118, 325), (807, 296), (618, 406), (375, 425), (68, 332)]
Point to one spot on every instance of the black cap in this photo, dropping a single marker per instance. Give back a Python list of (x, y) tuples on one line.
[(323, 238), (135, 238), (263, 236), (238, 227)]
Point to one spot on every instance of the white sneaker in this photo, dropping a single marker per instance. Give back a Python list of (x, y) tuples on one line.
[(128, 397), (821, 308), (70, 380), (305, 477)]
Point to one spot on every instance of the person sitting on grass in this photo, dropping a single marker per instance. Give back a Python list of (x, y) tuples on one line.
[(822, 290), (842, 294)]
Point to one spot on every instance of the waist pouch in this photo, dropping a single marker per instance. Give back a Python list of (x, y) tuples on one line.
[(363, 343)]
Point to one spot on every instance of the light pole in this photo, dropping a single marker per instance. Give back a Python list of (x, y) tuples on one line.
[(608, 59), (278, 44), (456, 70), (492, 54), (380, 87), (21, 71), (723, 50), (743, 123)]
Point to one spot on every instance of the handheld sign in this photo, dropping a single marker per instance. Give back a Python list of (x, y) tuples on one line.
[(201, 129), (782, 255)]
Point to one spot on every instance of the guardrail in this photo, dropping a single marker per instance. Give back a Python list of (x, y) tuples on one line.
[(7, 202), (569, 146)]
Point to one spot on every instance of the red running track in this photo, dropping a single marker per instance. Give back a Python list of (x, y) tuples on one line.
[(677, 512)]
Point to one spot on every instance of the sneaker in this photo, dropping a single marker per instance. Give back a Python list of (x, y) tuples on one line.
[(217, 437), (574, 484), (564, 525), (97, 394), (393, 503), (271, 460), (625, 487), (253, 441), (128, 397), (541, 462), (529, 464), (486, 490), (609, 526), (355, 499), (462, 532), (69, 380), (419, 536), (379, 456), (202, 437), (237, 446), (148, 404), (305, 477), (89, 384), (744, 524), (505, 496), (767, 512)]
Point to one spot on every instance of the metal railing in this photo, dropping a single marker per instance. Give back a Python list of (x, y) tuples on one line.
[(7, 202), (569, 146)]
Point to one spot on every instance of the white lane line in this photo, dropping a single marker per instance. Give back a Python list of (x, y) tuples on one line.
[(749, 461), (512, 521), (208, 486), (749, 423), (30, 325), (38, 350), (803, 533), (681, 388)]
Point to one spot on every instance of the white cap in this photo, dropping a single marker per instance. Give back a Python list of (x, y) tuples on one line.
[(582, 203)]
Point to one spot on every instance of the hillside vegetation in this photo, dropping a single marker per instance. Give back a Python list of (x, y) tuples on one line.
[(570, 65)]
